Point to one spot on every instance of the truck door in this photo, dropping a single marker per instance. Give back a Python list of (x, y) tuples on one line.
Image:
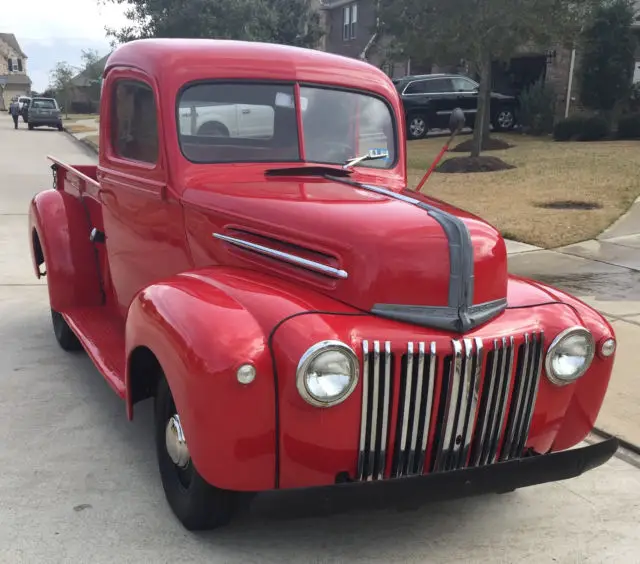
[(143, 219)]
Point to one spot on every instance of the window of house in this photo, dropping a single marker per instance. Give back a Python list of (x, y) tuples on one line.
[(134, 129), (19, 64), (349, 21)]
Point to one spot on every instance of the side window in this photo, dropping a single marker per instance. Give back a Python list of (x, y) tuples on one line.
[(134, 127), (437, 85), (416, 87), (463, 85)]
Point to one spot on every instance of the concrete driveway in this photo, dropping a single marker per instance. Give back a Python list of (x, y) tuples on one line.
[(79, 483)]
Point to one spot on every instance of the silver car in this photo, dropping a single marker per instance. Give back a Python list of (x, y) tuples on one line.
[(44, 111)]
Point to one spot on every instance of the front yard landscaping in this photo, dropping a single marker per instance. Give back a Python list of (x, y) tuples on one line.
[(545, 199)]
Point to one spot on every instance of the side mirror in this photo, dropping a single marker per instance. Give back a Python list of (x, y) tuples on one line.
[(457, 120)]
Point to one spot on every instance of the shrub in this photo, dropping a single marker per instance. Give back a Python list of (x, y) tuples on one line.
[(629, 126), (593, 128), (537, 109), (568, 128), (581, 128)]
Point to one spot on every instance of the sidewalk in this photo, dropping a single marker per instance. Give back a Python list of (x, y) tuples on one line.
[(604, 273)]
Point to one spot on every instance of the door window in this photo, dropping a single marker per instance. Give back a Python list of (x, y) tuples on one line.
[(134, 127), (463, 85), (438, 85), (416, 87)]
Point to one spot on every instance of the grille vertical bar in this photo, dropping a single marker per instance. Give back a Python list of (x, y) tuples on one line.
[(451, 404), (386, 397), (363, 451), (472, 407), (414, 418), (406, 408), (374, 421), (375, 381), (493, 404), (426, 426), (532, 380), (524, 390)]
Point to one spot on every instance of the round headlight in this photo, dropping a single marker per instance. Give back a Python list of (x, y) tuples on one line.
[(569, 355), (327, 373)]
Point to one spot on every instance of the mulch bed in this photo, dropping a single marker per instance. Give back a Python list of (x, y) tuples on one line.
[(489, 144), (473, 164)]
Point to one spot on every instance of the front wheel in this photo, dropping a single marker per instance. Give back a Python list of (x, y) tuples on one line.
[(416, 126), (197, 504), (505, 120)]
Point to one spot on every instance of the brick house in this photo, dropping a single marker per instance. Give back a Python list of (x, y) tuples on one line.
[(14, 80), (350, 27)]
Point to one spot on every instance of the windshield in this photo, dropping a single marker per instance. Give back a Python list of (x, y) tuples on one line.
[(45, 104), (248, 122)]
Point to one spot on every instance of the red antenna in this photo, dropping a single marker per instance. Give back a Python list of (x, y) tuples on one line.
[(456, 123)]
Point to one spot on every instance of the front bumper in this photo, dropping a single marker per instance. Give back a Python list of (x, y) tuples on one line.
[(496, 478)]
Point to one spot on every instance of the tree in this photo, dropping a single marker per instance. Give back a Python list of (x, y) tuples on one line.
[(92, 73), (291, 22), (480, 31), (608, 44), (60, 81)]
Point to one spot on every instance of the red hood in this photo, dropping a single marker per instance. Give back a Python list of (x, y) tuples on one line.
[(394, 253)]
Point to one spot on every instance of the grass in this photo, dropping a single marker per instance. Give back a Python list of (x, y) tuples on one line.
[(76, 117), (78, 128), (604, 172), (92, 140)]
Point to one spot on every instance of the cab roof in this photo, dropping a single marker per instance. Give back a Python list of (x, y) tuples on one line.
[(183, 60)]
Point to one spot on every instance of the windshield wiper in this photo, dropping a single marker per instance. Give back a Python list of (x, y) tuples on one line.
[(307, 171), (371, 155)]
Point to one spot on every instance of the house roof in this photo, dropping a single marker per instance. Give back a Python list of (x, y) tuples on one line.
[(10, 39), (82, 78), (21, 79)]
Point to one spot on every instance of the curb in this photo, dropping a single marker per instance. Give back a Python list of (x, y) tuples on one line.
[(92, 146), (625, 444)]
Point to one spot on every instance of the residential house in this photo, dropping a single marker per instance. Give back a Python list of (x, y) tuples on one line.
[(84, 94), (350, 27), (14, 80)]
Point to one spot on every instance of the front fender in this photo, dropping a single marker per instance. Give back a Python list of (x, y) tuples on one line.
[(59, 223), (201, 335)]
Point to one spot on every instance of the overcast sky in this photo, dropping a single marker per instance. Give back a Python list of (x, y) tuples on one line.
[(49, 32)]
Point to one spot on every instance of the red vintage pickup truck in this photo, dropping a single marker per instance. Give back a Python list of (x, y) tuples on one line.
[(248, 253)]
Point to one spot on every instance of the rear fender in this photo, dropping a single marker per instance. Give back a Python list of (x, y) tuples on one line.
[(59, 237), (200, 336)]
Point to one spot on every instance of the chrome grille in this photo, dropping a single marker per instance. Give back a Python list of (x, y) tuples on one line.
[(447, 412)]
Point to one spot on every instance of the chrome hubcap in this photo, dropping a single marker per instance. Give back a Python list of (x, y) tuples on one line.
[(176, 443), (417, 126), (505, 119)]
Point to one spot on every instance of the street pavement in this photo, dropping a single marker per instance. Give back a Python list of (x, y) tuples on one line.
[(79, 483)]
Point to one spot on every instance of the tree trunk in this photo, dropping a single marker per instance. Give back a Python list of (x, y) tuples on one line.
[(481, 128)]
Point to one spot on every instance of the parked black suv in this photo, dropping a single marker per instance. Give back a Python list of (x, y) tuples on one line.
[(429, 100)]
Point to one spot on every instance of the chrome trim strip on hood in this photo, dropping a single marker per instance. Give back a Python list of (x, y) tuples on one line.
[(287, 257), (460, 315)]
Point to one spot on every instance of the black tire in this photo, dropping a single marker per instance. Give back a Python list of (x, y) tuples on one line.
[(30, 126), (504, 120), (417, 126), (64, 335), (60, 128), (214, 129), (197, 504)]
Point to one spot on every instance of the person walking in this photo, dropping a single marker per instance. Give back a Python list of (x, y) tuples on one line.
[(14, 110)]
